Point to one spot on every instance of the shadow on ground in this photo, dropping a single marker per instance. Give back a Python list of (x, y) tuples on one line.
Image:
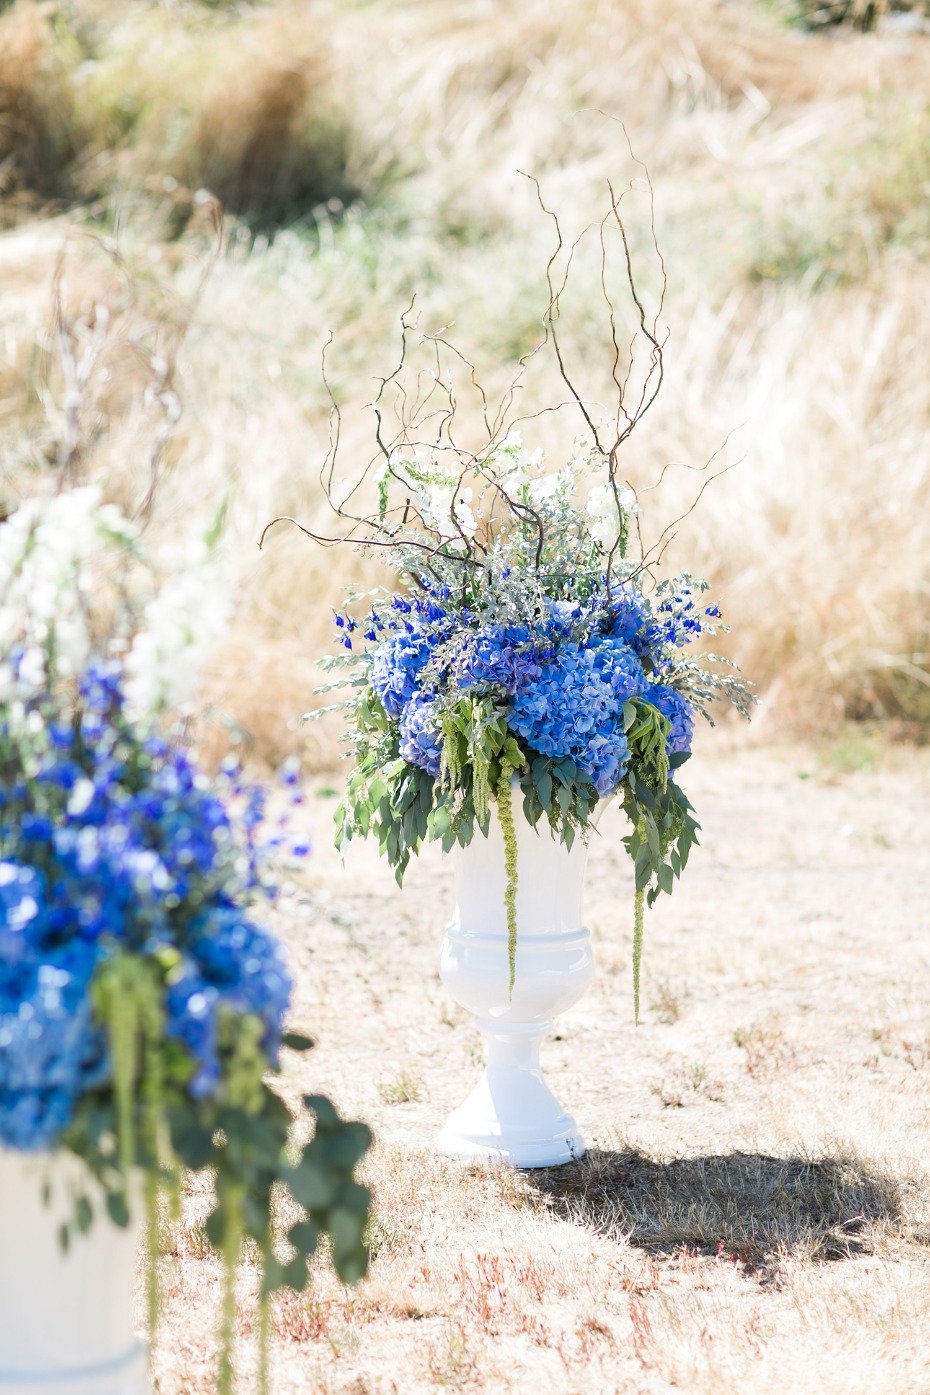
[(748, 1206)]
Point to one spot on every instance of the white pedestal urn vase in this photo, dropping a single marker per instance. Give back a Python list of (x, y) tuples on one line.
[(65, 1318), (511, 1115)]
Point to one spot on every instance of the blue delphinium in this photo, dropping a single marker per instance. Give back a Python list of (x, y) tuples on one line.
[(629, 617), (51, 1050)]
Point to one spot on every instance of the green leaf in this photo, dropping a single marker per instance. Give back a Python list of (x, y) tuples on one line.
[(191, 1140), (313, 1184), (216, 1228), (83, 1214), (117, 1209), (342, 1149), (304, 1236), (351, 1265), (217, 524), (643, 877), (294, 1274)]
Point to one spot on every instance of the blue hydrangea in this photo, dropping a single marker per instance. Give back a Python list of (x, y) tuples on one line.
[(230, 963), (395, 667), (420, 742), (51, 1051), (678, 711), (619, 664), (571, 710), (501, 655), (630, 615)]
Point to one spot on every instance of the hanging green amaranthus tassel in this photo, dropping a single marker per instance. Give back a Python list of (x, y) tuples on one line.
[(152, 1119), (264, 1339), (638, 918), (232, 1245), (118, 1004), (505, 814)]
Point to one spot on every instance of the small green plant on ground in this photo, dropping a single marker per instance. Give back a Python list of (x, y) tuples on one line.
[(401, 1089)]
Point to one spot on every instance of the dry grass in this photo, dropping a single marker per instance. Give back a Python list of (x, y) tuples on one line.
[(248, 114), (861, 14), (37, 126), (791, 174), (769, 1233)]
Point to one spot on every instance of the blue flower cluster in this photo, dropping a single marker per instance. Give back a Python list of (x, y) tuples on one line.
[(50, 1049), (562, 680), (117, 843), (395, 668), (229, 963), (420, 742), (503, 656), (679, 713), (571, 710)]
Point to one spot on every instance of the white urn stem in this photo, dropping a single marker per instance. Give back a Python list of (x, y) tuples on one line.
[(512, 1115)]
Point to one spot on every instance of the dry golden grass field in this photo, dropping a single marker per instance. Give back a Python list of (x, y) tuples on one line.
[(367, 152), (754, 1213)]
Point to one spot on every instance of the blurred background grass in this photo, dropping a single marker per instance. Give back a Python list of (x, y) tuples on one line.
[(364, 152)]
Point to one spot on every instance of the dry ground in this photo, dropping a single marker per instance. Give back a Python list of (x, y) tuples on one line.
[(754, 1211)]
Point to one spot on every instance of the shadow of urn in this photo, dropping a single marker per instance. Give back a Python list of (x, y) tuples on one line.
[(746, 1206)]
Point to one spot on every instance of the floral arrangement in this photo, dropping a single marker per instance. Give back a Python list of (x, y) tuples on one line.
[(142, 1005), (530, 648), (523, 656)]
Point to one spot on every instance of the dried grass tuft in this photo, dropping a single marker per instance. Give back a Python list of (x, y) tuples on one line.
[(38, 134)]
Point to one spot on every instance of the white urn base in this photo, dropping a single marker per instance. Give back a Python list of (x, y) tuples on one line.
[(512, 1116), (66, 1321)]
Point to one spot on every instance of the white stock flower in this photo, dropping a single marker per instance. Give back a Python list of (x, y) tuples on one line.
[(513, 464), (48, 579), (409, 469), (604, 514), (441, 499), (46, 587), (180, 623), (543, 491)]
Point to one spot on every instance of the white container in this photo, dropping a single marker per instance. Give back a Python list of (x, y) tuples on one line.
[(66, 1323), (512, 1116)]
